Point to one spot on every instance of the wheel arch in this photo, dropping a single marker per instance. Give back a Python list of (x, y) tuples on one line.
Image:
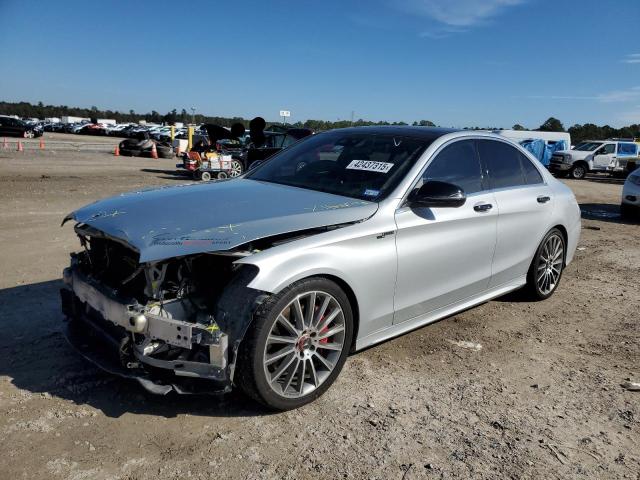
[(565, 236), (353, 301), (584, 163)]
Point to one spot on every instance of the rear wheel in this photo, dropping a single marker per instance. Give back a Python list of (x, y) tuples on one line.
[(546, 268), (205, 176), (29, 134), (297, 344)]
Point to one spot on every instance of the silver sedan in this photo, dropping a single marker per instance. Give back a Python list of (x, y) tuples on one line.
[(346, 239)]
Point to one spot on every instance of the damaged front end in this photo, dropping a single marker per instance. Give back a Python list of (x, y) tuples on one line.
[(174, 324)]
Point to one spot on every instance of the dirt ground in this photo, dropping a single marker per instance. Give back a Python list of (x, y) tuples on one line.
[(542, 398)]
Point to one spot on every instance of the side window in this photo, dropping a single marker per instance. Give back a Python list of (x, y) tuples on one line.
[(531, 174), (458, 164), (627, 149), (503, 163), (608, 149)]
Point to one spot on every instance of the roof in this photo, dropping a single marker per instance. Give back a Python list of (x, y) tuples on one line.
[(424, 133)]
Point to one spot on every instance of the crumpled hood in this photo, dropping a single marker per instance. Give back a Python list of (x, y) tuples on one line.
[(206, 217)]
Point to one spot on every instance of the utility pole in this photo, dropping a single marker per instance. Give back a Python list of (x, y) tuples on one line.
[(193, 115), (352, 114)]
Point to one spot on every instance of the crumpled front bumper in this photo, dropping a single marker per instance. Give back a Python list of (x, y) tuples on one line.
[(109, 346)]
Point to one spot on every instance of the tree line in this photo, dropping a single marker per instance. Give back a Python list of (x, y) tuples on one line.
[(28, 110)]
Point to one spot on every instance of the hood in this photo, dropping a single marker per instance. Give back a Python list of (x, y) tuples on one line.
[(207, 217), (578, 154)]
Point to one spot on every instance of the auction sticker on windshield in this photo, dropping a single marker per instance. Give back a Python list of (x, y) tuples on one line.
[(382, 167)]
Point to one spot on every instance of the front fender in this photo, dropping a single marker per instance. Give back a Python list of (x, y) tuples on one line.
[(366, 264)]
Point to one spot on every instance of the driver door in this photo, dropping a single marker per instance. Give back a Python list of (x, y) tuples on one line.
[(603, 157), (445, 254)]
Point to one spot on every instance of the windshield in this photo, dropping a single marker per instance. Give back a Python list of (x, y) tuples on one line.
[(587, 146), (358, 165)]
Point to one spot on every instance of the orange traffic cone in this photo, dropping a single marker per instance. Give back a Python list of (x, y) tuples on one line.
[(20, 147), (116, 151), (154, 151), (4, 143), (41, 143)]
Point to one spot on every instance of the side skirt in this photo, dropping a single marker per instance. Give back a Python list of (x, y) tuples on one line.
[(417, 322)]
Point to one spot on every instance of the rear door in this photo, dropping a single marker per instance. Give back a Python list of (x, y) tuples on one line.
[(524, 203), (445, 254)]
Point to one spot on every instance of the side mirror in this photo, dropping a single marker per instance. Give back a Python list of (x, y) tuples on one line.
[(437, 194)]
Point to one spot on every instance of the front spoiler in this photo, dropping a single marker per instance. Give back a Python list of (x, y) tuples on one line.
[(100, 347)]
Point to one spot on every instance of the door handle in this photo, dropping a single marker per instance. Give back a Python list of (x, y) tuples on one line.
[(483, 207), (543, 199)]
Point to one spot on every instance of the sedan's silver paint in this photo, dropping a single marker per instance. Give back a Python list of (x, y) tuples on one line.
[(195, 218), (421, 267), (367, 261), (444, 255)]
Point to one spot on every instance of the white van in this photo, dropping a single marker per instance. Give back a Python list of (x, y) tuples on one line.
[(549, 137)]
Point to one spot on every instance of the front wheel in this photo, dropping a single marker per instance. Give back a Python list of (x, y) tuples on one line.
[(546, 268), (297, 344), (578, 172)]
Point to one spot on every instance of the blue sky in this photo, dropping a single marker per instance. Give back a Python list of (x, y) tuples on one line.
[(455, 62)]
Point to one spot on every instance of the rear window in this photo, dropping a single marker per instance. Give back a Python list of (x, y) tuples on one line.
[(531, 173), (628, 149), (508, 167), (503, 163)]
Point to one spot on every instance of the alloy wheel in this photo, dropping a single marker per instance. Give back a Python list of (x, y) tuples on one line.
[(550, 262), (304, 344), (236, 169), (578, 172)]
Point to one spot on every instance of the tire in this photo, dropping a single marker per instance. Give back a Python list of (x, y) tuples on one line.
[(236, 169), (265, 373), (222, 175), (627, 211), (544, 276), (579, 171), (28, 134), (205, 176)]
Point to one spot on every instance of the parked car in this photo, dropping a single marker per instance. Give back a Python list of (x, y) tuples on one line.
[(14, 127), (339, 242), (611, 156), (142, 146), (630, 203)]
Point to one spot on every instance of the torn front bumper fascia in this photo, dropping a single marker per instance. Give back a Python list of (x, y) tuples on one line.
[(100, 324)]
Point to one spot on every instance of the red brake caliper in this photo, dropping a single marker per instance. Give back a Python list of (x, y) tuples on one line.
[(325, 329)]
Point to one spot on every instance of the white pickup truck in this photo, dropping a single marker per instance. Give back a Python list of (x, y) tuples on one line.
[(612, 156)]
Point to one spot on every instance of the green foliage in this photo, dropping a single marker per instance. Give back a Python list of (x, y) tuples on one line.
[(589, 131), (517, 126), (551, 125)]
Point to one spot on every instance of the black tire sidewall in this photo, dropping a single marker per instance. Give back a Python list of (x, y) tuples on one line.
[(534, 264), (262, 326), (578, 168)]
